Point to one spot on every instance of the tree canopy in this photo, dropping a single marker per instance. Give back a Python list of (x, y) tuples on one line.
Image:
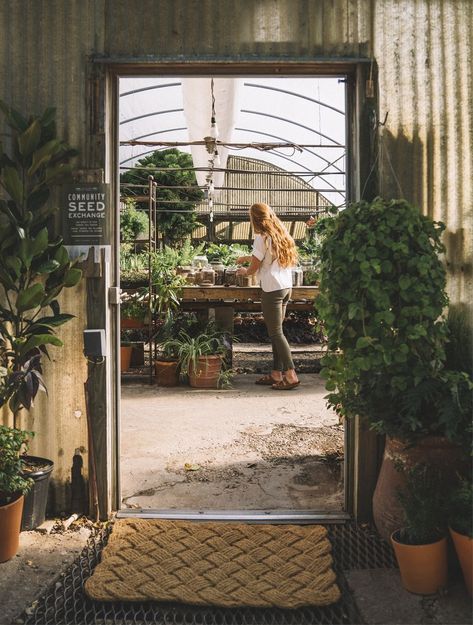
[(182, 193)]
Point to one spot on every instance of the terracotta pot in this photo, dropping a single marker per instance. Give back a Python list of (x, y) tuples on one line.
[(125, 357), (10, 523), (432, 450), (167, 372), (423, 568), (127, 323), (464, 548), (206, 373)]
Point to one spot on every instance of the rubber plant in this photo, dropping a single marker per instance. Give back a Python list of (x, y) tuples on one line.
[(382, 299), (34, 264)]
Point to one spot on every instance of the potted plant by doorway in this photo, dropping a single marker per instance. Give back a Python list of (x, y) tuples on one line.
[(34, 268), (420, 544), (200, 357), (382, 300), (461, 527), (13, 486)]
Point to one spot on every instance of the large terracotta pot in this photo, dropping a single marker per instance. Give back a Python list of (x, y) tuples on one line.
[(129, 323), (10, 523), (167, 372), (125, 357), (464, 548), (206, 373), (433, 450), (423, 568)]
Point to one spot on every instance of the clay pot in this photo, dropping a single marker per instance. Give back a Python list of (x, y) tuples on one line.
[(125, 357), (206, 373), (433, 450), (167, 372), (10, 523), (464, 548), (423, 568), (127, 323)]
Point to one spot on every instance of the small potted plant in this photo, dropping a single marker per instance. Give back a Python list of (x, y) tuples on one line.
[(200, 357), (420, 544), (13, 486), (167, 361), (133, 308), (461, 527)]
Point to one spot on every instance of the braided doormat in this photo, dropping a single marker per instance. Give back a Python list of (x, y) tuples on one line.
[(220, 564)]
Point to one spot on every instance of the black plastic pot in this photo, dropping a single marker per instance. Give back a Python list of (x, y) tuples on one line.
[(34, 509)]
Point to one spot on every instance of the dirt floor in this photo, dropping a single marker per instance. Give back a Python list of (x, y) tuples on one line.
[(245, 448)]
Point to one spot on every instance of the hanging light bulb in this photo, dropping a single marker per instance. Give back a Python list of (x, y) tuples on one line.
[(216, 159), (211, 186), (213, 119)]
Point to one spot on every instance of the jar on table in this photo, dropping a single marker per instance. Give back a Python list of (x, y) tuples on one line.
[(219, 269), (244, 280), (208, 276), (200, 261), (297, 276), (190, 277), (230, 277)]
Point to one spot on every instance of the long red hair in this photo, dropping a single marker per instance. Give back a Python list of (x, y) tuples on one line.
[(267, 223)]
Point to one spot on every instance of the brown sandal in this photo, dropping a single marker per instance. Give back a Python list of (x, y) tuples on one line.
[(266, 380), (285, 385)]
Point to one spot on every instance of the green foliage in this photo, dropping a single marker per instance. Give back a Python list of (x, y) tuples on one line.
[(34, 266), (133, 265), (175, 226), (461, 508), (134, 305), (424, 502), (13, 442), (133, 222), (189, 348), (382, 294), (226, 254)]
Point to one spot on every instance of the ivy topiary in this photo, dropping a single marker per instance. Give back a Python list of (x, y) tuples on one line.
[(382, 295)]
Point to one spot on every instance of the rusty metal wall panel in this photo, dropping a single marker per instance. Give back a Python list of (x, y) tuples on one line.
[(424, 54)]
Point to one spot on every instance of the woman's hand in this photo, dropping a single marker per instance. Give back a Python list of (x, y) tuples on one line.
[(243, 259), (241, 271)]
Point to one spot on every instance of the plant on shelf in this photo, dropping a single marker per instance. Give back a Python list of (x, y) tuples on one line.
[(34, 265), (200, 357), (382, 297), (460, 519), (420, 544), (13, 486), (133, 265), (133, 222), (133, 309), (225, 254)]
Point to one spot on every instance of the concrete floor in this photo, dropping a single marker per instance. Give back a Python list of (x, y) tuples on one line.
[(245, 448)]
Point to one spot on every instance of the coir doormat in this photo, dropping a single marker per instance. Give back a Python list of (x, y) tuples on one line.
[(220, 564)]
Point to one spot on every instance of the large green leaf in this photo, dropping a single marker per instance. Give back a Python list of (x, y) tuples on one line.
[(40, 243), (54, 321), (15, 120), (29, 139), (12, 182), (72, 277), (30, 298), (40, 339), (14, 264), (43, 155), (48, 267)]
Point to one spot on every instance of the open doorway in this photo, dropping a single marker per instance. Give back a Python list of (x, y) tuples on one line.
[(214, 146)]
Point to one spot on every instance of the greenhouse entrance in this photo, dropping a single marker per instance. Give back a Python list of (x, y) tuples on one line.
[(195, 153)]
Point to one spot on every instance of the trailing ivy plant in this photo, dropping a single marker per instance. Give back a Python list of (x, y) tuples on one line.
[(382, 295), (34, 264), (13, 443)]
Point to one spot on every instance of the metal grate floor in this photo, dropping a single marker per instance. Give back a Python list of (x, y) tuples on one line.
[(65, 603)]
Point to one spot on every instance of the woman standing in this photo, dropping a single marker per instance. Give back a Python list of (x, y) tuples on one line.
[(273, 256)]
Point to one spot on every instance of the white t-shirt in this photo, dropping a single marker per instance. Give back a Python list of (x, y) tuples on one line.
[(272, 276)]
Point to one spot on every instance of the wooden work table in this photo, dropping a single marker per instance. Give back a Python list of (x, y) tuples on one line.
[(241, 297)]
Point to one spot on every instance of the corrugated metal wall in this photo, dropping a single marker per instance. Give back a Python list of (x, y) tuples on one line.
[(424, 56)]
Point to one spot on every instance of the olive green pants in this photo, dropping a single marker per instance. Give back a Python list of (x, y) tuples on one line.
[(274, 305)]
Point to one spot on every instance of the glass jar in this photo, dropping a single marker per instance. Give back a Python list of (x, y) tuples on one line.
[(190, 277), (208, 276), (200, 261), (297, 276), (230, 276), (219, 269)]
